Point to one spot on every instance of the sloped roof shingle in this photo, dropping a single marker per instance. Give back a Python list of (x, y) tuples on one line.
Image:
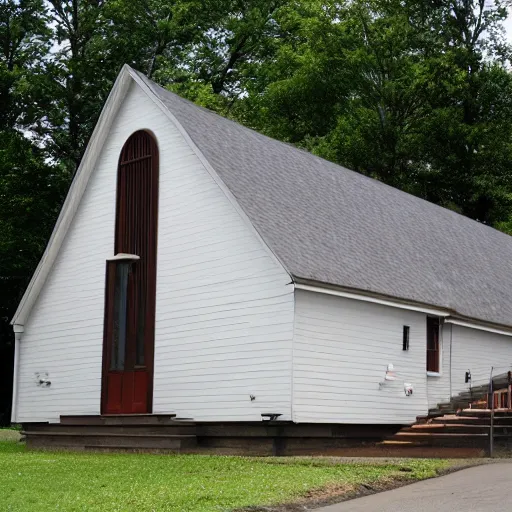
[(335, 226)]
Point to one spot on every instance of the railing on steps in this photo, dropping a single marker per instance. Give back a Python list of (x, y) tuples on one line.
[(498, 399), (495, 396)]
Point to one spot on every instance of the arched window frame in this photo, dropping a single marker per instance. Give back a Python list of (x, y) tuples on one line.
[(131, 280)]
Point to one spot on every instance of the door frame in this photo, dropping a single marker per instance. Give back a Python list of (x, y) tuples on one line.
[(107, 314)]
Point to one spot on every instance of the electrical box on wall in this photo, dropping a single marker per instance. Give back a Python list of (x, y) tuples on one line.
[(408, 389), (43, 379)]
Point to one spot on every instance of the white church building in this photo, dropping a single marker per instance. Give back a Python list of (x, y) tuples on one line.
[(202, 269)]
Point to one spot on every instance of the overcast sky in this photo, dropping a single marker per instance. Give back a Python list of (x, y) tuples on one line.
[(508, 26)]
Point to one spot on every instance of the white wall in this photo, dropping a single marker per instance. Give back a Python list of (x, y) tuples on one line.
[(224, 317), (224, 312), (64, 332), (471, 349), (478, 351), (341, 351)]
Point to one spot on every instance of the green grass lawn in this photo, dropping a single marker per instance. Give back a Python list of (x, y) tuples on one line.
[(49, 481)]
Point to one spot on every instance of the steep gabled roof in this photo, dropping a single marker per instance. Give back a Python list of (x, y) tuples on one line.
[(331, 225), (325, 223)]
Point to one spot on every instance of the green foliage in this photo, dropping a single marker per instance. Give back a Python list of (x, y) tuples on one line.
[(415, 94), (33, 481)]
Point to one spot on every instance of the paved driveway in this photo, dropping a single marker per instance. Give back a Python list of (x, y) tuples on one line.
[(485, 488)]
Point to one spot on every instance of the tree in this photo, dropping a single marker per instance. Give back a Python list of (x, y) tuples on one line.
[(236, 37), (30, 189), (24, 42), (412, 93)]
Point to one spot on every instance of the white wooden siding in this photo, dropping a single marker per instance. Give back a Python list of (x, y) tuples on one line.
[(471, 349), (224, 317), (342, 348), (64, 332), (478, 351), (224, 313)]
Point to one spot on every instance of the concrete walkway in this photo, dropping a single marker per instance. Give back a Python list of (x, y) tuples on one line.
[(485, 488)]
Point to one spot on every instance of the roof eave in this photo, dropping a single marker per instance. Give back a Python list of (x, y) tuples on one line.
[(450, 315)]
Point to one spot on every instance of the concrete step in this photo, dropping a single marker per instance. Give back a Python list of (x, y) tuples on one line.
[(119, 419), (54, 439), (171, 428)]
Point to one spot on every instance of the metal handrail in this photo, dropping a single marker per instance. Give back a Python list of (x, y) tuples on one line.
[(492, 408), (491, 430)]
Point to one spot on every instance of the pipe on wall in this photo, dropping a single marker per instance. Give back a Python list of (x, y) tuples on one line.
[(18, 331)]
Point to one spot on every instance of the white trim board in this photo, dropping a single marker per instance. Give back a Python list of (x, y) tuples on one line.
[(375, 300), (422, 309), (479, 327)]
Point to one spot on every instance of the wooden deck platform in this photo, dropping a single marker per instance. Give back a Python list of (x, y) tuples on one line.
[(166, 433)]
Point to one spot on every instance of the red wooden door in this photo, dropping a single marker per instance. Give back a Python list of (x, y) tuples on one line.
[(127, 384)]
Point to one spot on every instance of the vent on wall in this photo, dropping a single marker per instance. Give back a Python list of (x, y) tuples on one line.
[(405, 341)]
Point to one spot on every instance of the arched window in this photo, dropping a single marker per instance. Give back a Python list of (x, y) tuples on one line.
[(131, 282)]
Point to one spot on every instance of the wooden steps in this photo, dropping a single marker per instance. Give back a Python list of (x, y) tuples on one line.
[(166, 433), (189, 429), (141, 432), (135, 441), (453, 419), (450, 435), (468, 428), (439, 428), (443, 439), (120, 419)]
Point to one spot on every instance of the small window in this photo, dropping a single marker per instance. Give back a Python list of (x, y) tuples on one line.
[(405, 342), (120, 315), (432, 344)]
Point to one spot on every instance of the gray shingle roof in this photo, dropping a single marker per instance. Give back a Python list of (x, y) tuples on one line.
[(332, 225)]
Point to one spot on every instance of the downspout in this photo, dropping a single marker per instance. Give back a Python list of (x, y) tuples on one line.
[(18, 331), (292, 373), (451, 338)]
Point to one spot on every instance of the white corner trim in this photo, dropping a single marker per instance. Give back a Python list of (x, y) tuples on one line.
[(18, 331), (375, 300), (471, 325), (74, 195), (206, 164)]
